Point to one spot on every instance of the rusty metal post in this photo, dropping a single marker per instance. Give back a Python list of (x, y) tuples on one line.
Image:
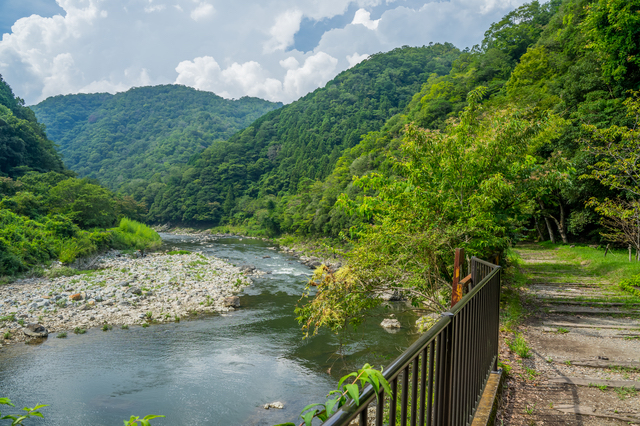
[(456, 288)]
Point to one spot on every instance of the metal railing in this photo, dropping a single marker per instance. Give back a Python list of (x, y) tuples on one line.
[(439, 380)]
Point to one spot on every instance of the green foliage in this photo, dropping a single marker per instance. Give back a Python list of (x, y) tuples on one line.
[(79, 330), (613, 30), (129, 139), (133, 421), (435, 201), (631, 285), (519, 346), (346, 391), (241, 179), (61, 335), (131, 233), (23, 143), (18, 419)]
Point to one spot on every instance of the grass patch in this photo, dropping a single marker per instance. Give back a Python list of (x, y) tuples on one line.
[(603, 388), (562, 331), (626, 392), (133, 234), (175, 252), (107, 327), (61, 335), (511, 310), (64, 271), (519, 346), (125, 326), (79, 330)]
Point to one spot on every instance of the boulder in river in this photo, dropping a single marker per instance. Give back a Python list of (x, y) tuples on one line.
[(232, 301), (247, 268), (35, 330), (279, 405), (390, 323)]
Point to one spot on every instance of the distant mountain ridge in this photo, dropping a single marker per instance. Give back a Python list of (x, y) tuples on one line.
[(143, 132)]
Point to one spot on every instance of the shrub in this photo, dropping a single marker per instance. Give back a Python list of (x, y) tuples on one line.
[(631, 285), (133, 234)]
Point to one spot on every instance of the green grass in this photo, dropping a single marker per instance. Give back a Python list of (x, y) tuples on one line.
[(511, 310), (175, 252), (615, 266), (519, 346), (79, 330), (133, 234), (125, 326), (61, 335), (107, 327), (601, 387), (626, 392)]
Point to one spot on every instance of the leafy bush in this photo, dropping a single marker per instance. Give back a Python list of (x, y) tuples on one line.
[(631, 285), (134, 234)]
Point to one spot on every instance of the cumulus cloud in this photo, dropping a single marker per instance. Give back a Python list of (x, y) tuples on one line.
[(363, 17), (112, 45), (286, 26), (250, 78)]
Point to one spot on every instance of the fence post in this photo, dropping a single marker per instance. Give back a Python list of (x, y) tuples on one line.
[(456, 288)]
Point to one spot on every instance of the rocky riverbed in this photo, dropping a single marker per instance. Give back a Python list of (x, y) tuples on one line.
[(121, 291)]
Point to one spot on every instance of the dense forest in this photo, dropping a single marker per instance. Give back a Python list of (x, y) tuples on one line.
[(142, 134), (300, 143), (46, 213)]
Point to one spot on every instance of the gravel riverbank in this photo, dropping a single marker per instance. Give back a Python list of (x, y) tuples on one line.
[(121, 291)]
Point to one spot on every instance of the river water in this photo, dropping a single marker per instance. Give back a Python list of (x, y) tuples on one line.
[(214, 370)]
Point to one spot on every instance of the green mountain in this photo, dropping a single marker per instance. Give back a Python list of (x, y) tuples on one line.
[(298, 143), (24, 146), (143, 132)]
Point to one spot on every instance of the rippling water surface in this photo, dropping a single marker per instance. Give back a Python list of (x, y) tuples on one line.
[(215, 370)]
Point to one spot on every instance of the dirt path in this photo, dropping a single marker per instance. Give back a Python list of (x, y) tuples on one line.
[(584, 338)]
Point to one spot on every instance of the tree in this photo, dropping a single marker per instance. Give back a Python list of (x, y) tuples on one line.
[(464, 187)]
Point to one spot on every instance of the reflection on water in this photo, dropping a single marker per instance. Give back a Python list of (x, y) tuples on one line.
[(217, 370)]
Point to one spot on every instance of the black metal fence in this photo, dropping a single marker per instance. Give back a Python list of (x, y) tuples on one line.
[(439, 380)]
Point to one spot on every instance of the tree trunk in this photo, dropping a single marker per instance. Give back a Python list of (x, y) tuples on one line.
[(562, 229), (546, 219), (540, 236)]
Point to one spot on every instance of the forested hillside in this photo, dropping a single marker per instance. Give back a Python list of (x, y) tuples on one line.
[(24, 146), (299, 143), (535, 133), (144, 133), (45, 212)]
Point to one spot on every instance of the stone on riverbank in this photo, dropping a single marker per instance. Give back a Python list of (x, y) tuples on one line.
[(35, 330), (232, 301), (279, 405)]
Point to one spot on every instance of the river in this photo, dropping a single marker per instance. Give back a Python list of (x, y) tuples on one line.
[(214, 370)]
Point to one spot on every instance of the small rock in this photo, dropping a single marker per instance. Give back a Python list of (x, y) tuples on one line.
[(279, 405), (233, 301), (85, 307), (35, 330), (390, 323), (76, 296), (135, 290)]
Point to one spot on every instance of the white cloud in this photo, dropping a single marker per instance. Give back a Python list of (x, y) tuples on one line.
[(364, 18), (202, 11), (250, 78), (112, 45), (282, 32), (355, 59), (290, 63)]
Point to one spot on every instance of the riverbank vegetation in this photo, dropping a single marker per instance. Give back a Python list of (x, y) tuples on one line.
[(46, 213)]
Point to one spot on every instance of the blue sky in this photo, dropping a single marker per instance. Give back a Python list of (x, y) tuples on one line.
[(276, 49)]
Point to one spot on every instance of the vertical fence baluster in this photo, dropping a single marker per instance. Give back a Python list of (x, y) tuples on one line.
[(432, 356), (423, 384), (380, 409), (414, 391), (393, 402), (405, 396), (364, 417)]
